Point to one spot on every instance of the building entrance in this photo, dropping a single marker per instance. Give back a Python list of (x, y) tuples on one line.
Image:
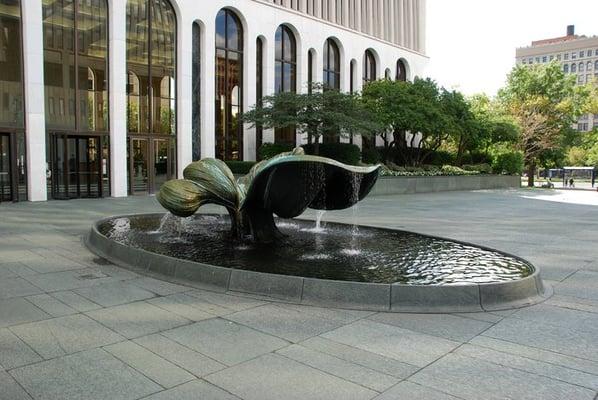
[(76, 169)]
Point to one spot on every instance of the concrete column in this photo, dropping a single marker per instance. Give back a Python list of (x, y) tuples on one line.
[(35, 118), (269, 71), (358, 6), (118, 97), (370, 17), (409, 23), (249, 92), (184, 102), (391, 21), (303, 6), (208, 68), (422, 26), (345, 14)]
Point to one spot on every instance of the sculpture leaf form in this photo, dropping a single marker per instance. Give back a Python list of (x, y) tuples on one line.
[(285, 185)]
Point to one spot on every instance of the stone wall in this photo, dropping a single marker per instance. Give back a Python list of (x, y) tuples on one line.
[(389, 185)]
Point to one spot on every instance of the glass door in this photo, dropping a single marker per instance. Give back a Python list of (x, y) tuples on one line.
[(161, 164), (138, 171), (76, 167), (6, 182)]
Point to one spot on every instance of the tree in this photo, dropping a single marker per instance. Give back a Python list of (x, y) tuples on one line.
[(322, 112), (413, 112), (544, 102)]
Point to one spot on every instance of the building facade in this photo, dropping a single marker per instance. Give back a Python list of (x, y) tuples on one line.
[(114, 97), (578, 55)]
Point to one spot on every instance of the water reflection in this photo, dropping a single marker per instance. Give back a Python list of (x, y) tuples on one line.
[(342, 253)]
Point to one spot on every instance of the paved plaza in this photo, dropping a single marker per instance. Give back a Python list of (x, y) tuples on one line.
[(73, 326)]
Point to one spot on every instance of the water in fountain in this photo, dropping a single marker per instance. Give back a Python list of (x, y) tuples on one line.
[(163, 223)]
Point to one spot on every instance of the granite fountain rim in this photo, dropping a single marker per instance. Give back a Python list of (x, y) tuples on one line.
[(380, 297)]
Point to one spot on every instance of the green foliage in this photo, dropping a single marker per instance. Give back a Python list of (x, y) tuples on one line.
[(343, 152), (441, 157), (269, 150), (510, 163), (370, 156), (482, 168), (240, 167), (322, 112), (544, 101), (453, 170), (577, 156), (445, 170)]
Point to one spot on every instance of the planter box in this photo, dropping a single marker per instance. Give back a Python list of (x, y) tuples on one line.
[(389, 185)]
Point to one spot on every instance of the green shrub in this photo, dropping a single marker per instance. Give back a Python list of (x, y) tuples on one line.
[(510, 163), (269, 150), (452, 170), (240, 167), (343, 152), (440, 157), (476, 157), (370, 156), (483, 168), (427, 170)]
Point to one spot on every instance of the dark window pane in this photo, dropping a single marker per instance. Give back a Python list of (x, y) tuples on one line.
[(11, 78)]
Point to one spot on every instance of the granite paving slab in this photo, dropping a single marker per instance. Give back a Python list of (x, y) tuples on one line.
[(273, 377), (90, 375), (225, 341)]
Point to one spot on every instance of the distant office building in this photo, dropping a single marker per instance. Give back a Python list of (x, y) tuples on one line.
[(578, 55)]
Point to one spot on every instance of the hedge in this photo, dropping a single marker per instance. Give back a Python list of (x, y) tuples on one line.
[(240, 167), (343, 152)]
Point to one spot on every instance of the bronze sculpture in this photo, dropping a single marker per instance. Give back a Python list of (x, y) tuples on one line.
[(285, 185)]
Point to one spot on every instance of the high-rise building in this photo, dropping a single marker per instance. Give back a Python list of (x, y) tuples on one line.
[(114, 97), (577, 54)]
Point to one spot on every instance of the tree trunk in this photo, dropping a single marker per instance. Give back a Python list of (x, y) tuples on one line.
[(531, 172), (317, 146)]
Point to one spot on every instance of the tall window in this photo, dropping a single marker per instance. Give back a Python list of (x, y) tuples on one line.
[(259, 89), (401, 73), (566, 68), (75, 64), (573, 68), (332, 65), (196, 92), (13, 184), (310, 70), (11, 77), (285, 76), (75, 40), (369, 67), (229, 86), (151, 93), (151, 58)]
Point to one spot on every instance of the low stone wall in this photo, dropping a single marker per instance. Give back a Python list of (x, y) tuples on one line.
[(389, 185)]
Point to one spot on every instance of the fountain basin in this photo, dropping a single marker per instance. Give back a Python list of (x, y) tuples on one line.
[(385, 270)]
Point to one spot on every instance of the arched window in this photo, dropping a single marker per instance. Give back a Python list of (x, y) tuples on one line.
[(259, 89), (310, 69), (332, 65), (581, 67), (566, 68), (573, 68), (401, 73), (229, 75), (369, 67), (13, 185), (285, 75), (196, 92), (596, 65), (75, 34), (589, 66), (151, 62)]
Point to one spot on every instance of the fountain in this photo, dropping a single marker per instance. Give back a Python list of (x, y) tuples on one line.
[(331, 264)]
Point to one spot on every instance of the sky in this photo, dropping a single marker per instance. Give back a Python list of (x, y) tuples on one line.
[(471, 43)]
